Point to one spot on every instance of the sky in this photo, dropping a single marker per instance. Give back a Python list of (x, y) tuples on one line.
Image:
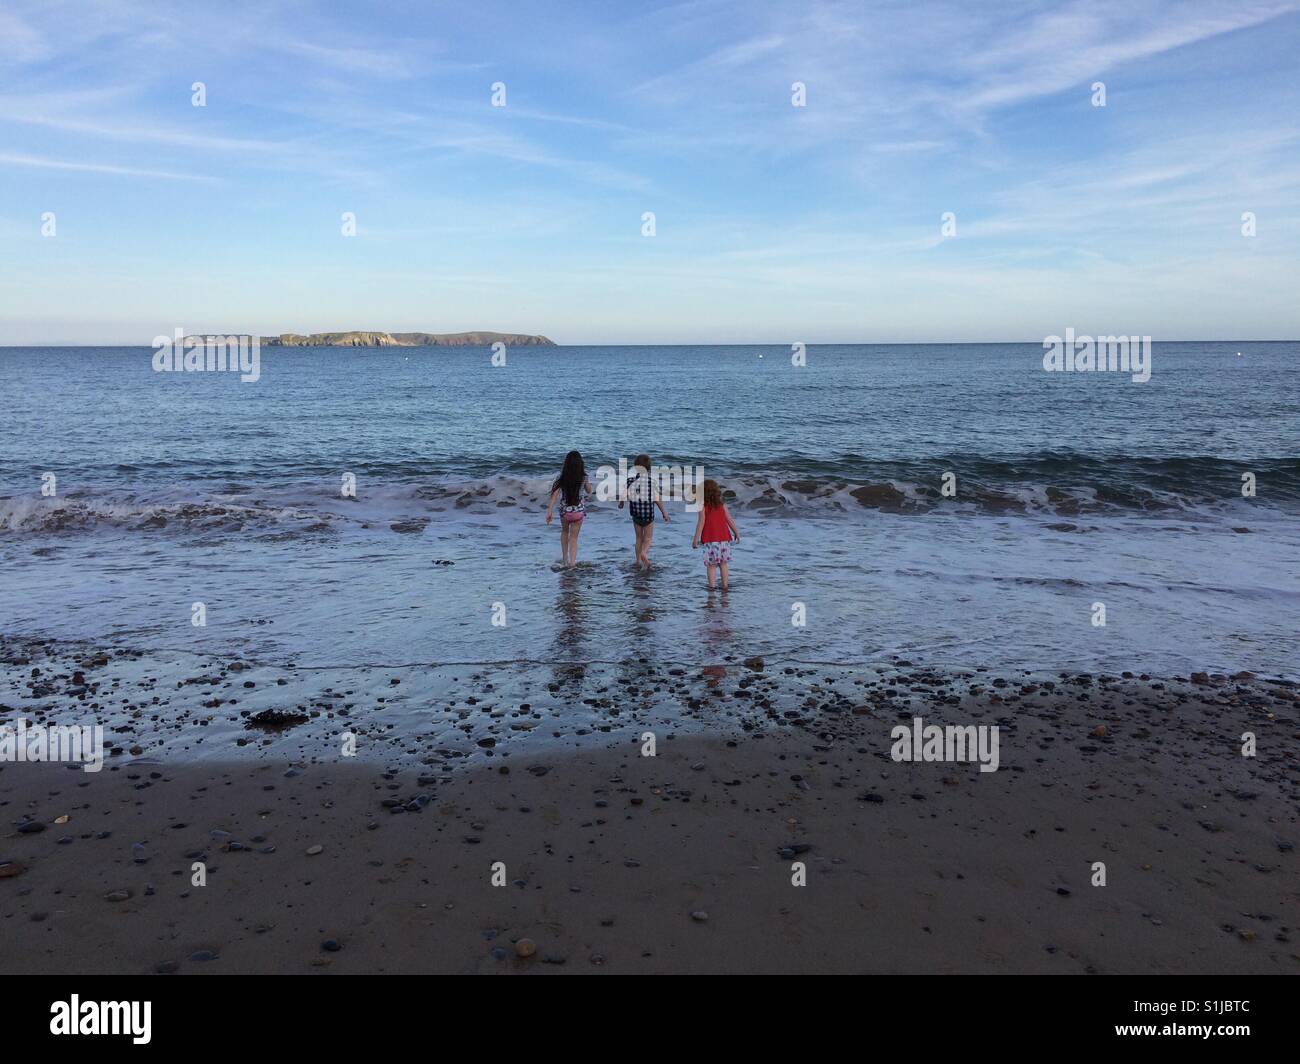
[(772, 223)]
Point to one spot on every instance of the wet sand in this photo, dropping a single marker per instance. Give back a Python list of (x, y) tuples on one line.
[(618, 862)]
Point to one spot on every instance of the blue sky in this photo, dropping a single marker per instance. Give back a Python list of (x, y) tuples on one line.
[(773, 223)]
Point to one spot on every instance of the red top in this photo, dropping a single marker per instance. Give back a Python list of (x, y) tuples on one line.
[(715, 528)]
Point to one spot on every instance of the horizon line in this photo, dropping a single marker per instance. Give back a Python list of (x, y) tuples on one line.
[(779, 344)]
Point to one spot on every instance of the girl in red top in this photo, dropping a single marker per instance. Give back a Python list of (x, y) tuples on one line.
[(715, 530)]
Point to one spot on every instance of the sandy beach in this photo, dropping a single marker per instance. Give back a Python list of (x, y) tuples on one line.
[(680, 862)]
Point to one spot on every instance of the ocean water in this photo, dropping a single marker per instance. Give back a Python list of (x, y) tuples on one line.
[(1073, 490)]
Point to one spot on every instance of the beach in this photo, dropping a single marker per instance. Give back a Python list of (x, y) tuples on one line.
[(357, 717), (684, 861)]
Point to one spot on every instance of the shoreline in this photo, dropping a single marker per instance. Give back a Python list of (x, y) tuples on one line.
[(910, 866)]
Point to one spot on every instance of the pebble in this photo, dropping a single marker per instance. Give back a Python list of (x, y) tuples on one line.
[(525, 947), (312, 851)]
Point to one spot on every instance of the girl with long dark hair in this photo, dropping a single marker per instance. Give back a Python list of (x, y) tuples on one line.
[(570, 491)]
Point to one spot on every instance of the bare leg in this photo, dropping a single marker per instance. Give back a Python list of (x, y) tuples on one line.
[(649, 531), (564, 544), (712, 571), (574, 529), (723, 567)]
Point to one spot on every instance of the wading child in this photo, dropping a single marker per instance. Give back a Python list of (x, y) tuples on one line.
[(641, 501), (715, 531), (570, 490)]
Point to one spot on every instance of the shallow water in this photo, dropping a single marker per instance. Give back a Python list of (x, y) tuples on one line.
[(1073, 489)]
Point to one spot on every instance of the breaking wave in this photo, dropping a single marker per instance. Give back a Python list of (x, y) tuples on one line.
[(405, 500)]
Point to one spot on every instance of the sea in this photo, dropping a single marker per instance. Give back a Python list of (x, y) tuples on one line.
[(955, 506)]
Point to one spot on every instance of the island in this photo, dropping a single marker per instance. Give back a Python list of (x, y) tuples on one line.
[(408, 339)]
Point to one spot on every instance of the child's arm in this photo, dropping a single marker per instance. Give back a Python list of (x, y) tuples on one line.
[(699, 529), (660, 503), (551, 505), (735, 532)]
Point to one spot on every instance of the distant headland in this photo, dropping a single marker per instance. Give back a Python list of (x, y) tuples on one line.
[(411, 339)]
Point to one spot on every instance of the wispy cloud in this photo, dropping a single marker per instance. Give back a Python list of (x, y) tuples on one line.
[(374, 62), (20, 42), (9, 159), (1065, 47)]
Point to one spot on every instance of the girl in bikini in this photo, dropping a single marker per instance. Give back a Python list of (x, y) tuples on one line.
[(570, 490)]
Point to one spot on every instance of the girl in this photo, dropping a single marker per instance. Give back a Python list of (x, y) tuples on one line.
[(570, 489), (715, 530), (642, 500)]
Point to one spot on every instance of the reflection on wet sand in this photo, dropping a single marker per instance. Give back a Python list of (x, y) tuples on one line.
[(716, 635), (644, 607), (569, 645)]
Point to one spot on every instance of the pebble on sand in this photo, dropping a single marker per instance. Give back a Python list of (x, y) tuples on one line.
[(525, 947), (312, 851)]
